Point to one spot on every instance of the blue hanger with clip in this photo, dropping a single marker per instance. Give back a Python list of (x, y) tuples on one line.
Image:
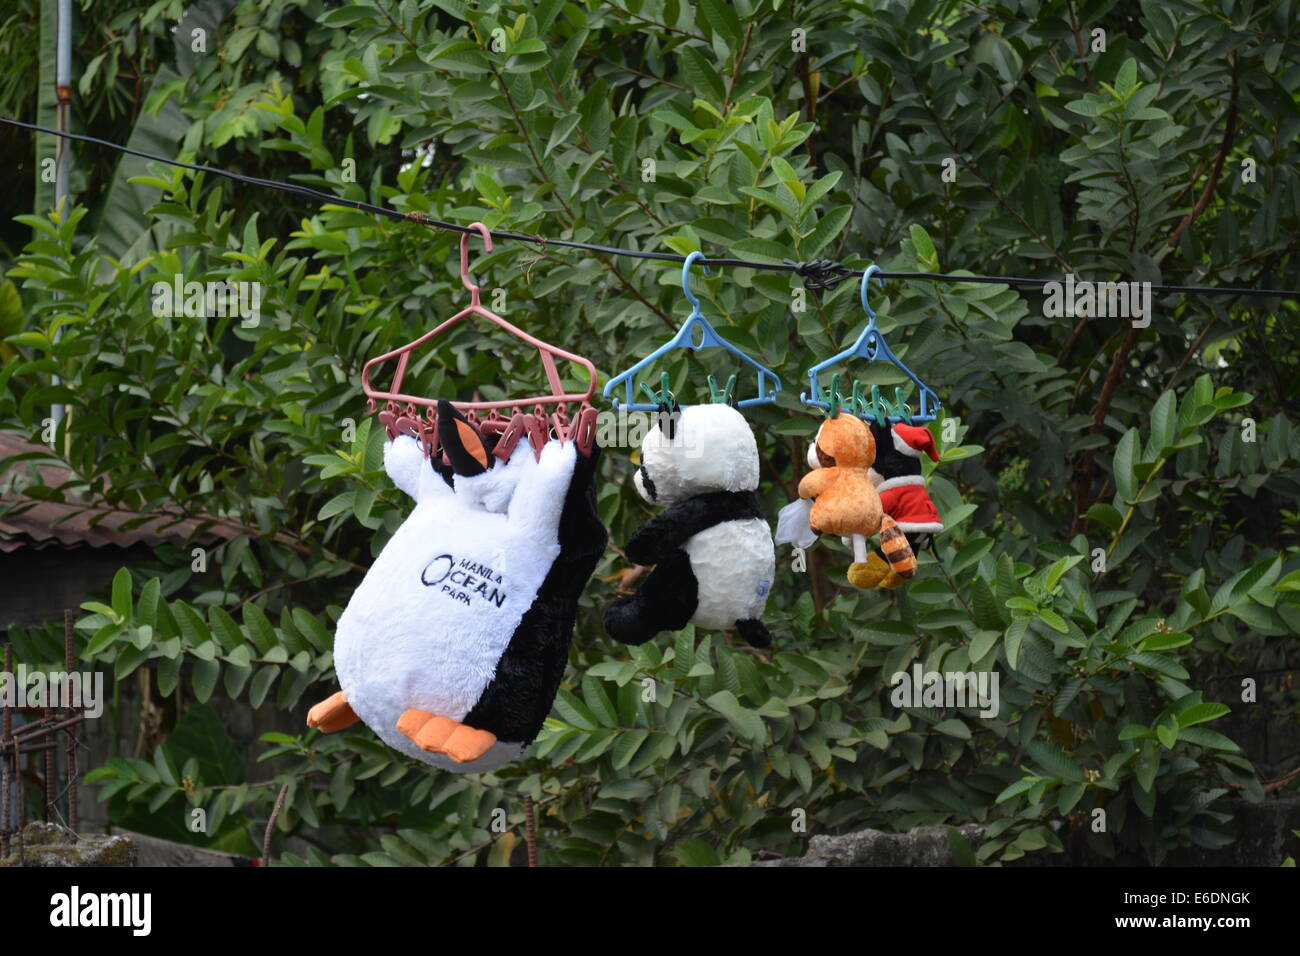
[(871, 346), (696, 333)]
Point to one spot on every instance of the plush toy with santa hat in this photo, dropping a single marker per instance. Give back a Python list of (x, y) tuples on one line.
[(894, 473), (897, 476)]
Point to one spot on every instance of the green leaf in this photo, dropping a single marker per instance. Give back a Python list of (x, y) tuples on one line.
[(695, 852), (1163, 642), (169, 674), (1053, 620), (1122, 468), (1126, 79), (598, 702), (336, 505), (747, 723), (828, 228), (259, 628), (1163, 424), (981, 643), (103, 639), (702, 75), (225, 629), (987, 614), (1199, 713), (1054, 760), (122, 594), (927, 258), (574, 711), (1015, 634), (1058, 569), (626, 746), (146, 611), (953, 728), (1016, 789), (1148, 762), (203, 679), (1204, 737), (261, 684), (1236, 589), (722, 19)]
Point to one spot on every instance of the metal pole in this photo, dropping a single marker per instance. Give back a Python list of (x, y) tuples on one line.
[(20, 800), (71, 731), (48, 813), (6, 724), (19, 809), (63, 88)]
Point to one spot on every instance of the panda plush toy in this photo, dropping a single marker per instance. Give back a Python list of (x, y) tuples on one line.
[(712, 548)]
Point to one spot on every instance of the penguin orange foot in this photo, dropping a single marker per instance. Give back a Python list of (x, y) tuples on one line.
[(331, 714), (442, 735)]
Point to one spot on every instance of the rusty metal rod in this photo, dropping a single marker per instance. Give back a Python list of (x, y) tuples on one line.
[(47, 812), (71, 731), (20, 812), (530, 830), (39, 728), (34, 748), (6, 724)]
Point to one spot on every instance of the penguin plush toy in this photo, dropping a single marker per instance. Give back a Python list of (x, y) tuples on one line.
[(453, 645), (711, 548)]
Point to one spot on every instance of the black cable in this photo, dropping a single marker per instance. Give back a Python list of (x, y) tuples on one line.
[(817, 275)]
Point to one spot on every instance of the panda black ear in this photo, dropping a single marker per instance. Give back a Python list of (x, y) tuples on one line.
[(666, 418)]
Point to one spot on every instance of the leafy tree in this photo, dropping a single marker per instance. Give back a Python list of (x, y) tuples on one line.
[(1119, 501)]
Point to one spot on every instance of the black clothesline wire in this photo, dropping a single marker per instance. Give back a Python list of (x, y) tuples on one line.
[(816, 275)]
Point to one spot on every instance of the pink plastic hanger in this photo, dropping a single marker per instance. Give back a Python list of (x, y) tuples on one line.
[(400, 414)]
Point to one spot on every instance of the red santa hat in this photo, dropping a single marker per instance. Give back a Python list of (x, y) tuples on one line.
[(912, 440)]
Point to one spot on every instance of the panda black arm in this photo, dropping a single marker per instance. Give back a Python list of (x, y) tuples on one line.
[(666, 532)]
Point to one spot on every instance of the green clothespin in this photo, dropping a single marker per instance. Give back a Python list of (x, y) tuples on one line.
[(903, 411), (880, 409), (664, 396), (859, 401), (833, 400), (725, 396)]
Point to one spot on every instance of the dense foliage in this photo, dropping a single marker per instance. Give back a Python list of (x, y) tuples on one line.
[(925, 136)]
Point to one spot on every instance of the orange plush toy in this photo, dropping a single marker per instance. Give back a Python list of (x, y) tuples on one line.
[(847, 503)]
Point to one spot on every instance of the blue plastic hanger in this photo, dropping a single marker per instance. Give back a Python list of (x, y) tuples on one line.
[(696, 333), (871, 346)]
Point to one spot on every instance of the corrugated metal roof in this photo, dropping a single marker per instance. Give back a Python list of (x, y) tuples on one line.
[(76, 523)]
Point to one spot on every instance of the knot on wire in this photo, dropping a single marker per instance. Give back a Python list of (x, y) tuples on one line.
[(819, 275)]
